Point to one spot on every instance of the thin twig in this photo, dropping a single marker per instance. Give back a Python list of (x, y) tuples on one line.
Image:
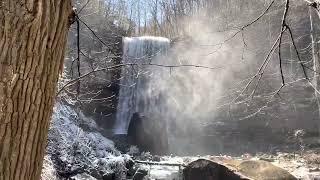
[(131, 64), (78, 53), (83, 6), (245, 26)]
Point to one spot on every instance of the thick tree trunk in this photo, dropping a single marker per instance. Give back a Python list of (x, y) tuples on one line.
[(32, 41)]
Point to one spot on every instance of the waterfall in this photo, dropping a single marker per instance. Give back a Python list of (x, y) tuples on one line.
[(137, 93)]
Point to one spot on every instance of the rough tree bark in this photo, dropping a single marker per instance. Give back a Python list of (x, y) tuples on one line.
[(33, 37)]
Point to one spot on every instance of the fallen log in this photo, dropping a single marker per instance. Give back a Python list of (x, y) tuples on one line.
[(160, 163)]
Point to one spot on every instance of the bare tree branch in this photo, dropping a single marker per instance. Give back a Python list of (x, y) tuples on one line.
[(115, 67)]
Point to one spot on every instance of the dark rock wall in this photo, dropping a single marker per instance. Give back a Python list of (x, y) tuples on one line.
[(148, 134)]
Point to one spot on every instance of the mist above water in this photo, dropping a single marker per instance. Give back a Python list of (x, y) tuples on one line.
[(194, 78), (183, 84)]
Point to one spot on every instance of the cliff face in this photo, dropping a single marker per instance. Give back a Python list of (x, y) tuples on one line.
[(148, 134), (98, 93)]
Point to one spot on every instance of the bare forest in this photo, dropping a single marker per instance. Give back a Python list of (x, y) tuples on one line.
[(159, 89)]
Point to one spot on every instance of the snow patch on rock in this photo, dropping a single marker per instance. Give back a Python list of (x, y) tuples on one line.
[(75, 151)]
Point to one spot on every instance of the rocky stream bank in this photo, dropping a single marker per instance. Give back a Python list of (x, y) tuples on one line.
[(77, 151)]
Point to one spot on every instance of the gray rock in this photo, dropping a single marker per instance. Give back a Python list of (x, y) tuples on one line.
[(156, 158), (132, 171), (140, 174), (83, 176), (129, 163), (109, 176), (209, 170), (263, 170)]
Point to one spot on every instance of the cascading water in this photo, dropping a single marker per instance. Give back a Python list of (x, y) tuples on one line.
[(137, 94)]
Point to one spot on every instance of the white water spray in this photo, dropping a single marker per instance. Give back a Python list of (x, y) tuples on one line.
[(137, 92)]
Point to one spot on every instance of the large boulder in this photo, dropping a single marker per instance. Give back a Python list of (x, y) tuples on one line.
[(148, 134), (263, 170), (208, 170)]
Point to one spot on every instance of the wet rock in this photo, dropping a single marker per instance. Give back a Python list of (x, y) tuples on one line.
[(140, 174), (148, 134), (109, 176), (145, 156), (156, 158), (64, 168), (132, 171), (263, 170), (129, 163), (312, 158), (83, 176), (133, 151), (315, 169), (95, 173), (121, 142), (130, 166), (209, 170)]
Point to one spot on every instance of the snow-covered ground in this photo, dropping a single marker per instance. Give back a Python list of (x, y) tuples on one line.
[(73, 151)]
